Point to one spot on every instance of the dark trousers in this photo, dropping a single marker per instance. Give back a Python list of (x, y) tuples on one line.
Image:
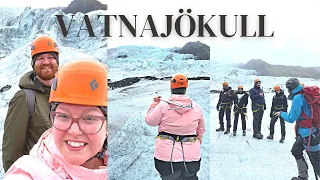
[(227, 111), (257, 119), (297, 151), (273, 122), (180, 173), (235, 123)]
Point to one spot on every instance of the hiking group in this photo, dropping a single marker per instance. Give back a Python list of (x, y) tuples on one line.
[(56, 125), (305, 111)]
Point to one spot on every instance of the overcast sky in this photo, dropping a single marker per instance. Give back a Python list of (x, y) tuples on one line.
[(295, 24)]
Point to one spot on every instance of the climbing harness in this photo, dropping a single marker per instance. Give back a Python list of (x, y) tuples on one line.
[(260, 106), (240, 112), (177, 138), (225, 105)]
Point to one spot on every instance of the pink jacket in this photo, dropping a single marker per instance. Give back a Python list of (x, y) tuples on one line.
[(180, 121), (46, 162)]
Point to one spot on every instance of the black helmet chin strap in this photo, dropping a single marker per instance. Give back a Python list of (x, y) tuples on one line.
[(101, 153)]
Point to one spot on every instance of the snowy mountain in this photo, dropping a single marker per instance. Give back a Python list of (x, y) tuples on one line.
[(135, 61), (236, 76), (8, 14), (317, 68), (265, 69), (19, 30)]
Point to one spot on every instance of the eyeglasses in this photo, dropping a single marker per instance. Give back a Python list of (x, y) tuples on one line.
[(87, 124)]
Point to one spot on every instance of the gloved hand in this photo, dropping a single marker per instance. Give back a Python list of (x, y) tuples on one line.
[(217, 108), (277, 114), (264, 107), (272, 111), (156, 98)]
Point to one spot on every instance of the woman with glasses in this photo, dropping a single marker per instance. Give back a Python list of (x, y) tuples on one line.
[(76, 146)]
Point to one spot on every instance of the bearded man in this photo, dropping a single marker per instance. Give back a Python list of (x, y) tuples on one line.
[(28, 112)]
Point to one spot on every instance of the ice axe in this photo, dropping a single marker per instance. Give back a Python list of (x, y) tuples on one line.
[(176, 104)]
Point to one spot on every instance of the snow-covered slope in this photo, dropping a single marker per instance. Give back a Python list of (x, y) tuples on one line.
[(235, 76), (131, 143), (22, 29), (9, 13), (131, 61)]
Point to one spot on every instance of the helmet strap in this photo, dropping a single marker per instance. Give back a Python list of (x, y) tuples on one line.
[(101, 153)]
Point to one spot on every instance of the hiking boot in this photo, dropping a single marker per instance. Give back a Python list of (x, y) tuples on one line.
[(234, 133), (299, 178), (302, 169), (227, 131), (220, 129), (244, 133), (282, 139), (258, 136), (270, 137)]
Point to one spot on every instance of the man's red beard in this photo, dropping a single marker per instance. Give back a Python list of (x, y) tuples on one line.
[(46, 72)]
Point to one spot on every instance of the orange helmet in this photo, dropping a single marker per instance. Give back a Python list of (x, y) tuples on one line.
[(276, 87), (240, 87), (256, 80), (81, 82), (43, 44), (179, 81), (225, 84)]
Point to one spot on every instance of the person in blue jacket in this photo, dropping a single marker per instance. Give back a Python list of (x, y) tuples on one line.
[(258, 107), (299, 105)]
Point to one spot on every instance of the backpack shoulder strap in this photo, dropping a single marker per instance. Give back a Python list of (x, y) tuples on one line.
[(31, 98)]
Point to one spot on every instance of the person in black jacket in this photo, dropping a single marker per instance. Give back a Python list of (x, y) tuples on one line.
[(279, 103), (258, 106), (224, 106), (240, 107)]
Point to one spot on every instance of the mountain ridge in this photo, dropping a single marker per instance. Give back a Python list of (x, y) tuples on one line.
[(265, 69)]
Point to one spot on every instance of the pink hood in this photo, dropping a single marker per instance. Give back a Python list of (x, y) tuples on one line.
[(181, 100), (46, 162)]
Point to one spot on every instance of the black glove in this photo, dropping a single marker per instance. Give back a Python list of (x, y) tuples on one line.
[(271, 112), (265, 107), (217, 108)]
